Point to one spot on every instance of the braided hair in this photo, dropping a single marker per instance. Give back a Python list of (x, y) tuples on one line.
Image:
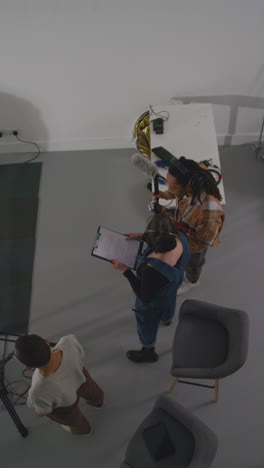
[(200, 179)]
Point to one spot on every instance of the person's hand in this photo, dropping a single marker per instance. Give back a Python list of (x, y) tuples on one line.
[(133, 235), (156, 196), (165, 211), (119, 266)]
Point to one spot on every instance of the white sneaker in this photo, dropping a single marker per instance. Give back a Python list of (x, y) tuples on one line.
[(66, 428), (186, 286)]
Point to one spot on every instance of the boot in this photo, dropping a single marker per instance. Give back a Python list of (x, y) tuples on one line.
[(143, 355)]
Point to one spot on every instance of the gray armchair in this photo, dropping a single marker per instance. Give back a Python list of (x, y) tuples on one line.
[(210, 342), (194, 444)]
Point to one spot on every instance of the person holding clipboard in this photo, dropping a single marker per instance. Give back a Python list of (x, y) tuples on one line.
[(159, 273)]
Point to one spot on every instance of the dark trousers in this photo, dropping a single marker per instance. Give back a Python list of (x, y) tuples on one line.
[(194, 266), (147, 326), (71, 415)]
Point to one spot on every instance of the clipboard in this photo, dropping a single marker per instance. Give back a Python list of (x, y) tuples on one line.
[(111, 245)]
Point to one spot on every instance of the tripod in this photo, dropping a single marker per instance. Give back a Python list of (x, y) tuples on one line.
[(4, 394)]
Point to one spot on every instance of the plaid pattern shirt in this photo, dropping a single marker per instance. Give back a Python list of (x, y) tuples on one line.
[(203, 221)]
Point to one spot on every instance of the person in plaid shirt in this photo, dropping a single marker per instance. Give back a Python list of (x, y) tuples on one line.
[(198, 213)]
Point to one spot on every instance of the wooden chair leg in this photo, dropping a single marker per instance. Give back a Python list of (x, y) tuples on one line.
[(175, 380), (216, 390)]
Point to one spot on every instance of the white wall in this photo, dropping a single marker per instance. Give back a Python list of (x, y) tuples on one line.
[(75, 74)]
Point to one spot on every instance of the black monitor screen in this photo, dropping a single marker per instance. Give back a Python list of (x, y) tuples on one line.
[(19, 198), (158, 442)]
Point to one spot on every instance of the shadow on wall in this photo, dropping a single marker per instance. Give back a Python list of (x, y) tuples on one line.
[(17, 113), (234, 101)]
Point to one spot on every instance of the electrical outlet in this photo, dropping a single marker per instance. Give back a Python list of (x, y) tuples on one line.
[(8, 132)]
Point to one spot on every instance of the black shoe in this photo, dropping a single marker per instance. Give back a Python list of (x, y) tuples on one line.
[(143, 355), (166, 324)]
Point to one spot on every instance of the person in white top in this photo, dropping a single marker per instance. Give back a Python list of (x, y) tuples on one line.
[(59, 380)]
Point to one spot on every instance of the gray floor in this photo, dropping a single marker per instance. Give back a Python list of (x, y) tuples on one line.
[(75, 293)]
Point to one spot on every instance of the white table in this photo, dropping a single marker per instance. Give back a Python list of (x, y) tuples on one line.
[(189, 132)]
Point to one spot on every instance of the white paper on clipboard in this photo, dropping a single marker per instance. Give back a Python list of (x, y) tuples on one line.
[(111, 245)]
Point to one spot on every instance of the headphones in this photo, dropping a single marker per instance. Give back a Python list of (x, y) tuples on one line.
[(155, 230), (198, 178), (180, 167)]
